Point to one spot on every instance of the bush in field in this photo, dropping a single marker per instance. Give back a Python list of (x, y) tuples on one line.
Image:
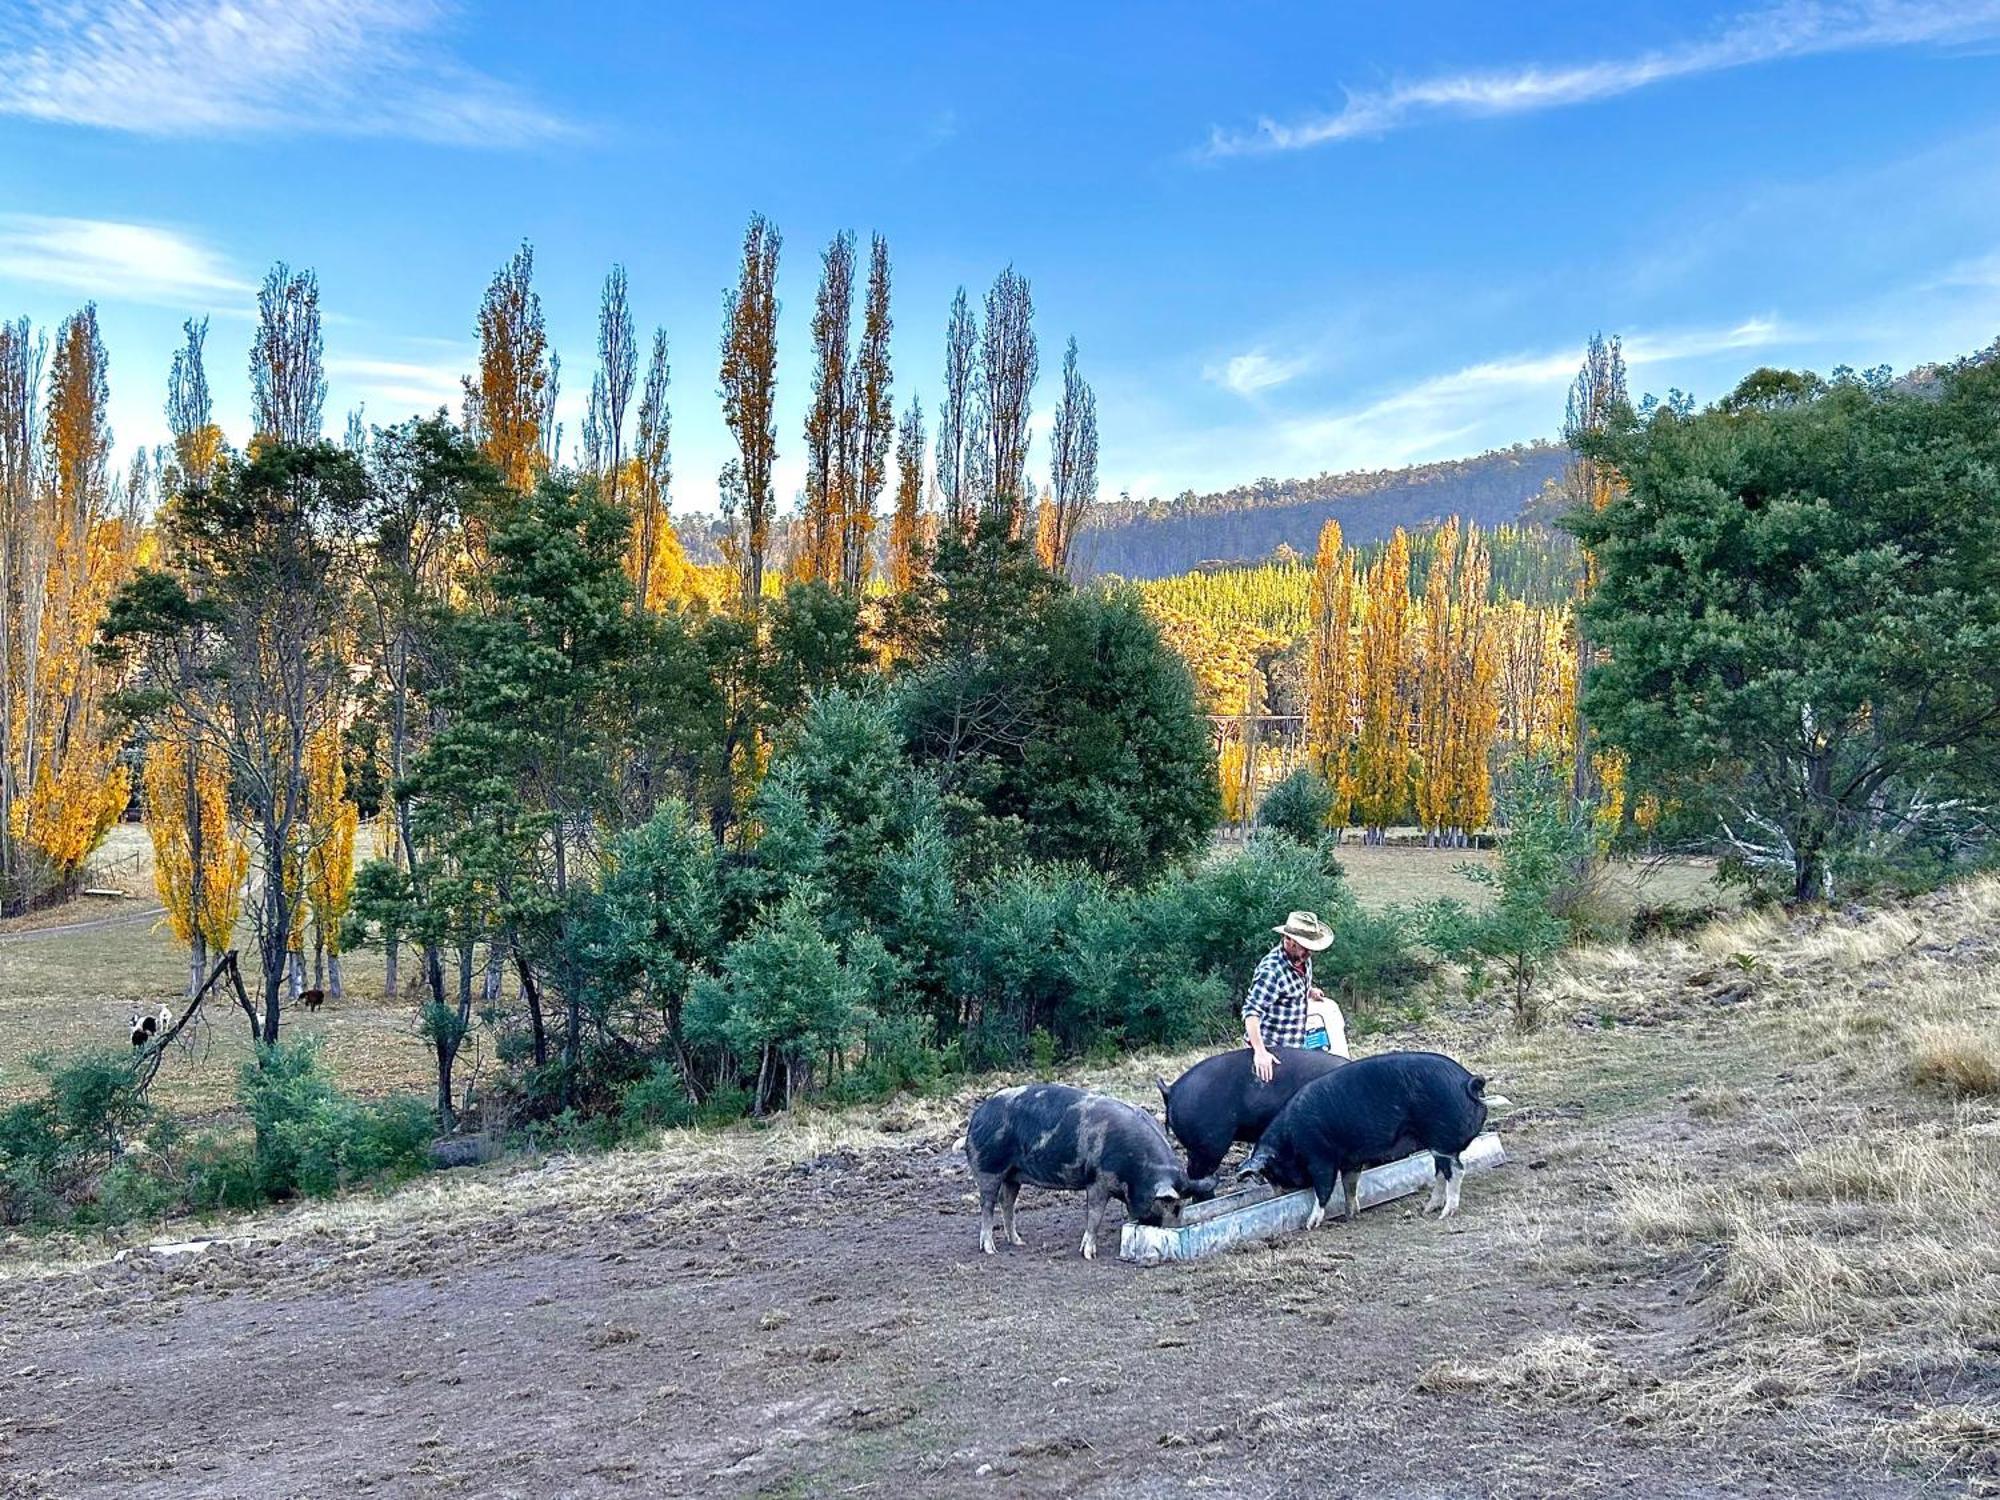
[(1119, 773), (1299, 807), (1547, 842), (785, 1000), (55, 1149), (1057, 951), (1017, 963), (659, 1101), (654, 920), (1059, 716), (313, 1140)]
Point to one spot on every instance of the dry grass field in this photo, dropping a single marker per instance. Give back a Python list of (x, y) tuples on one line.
[(1745, 1244), (1398, 875), (71, 976)]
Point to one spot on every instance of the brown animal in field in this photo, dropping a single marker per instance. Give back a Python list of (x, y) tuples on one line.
[(313, 999)]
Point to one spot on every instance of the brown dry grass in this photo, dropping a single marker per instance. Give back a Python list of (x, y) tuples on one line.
[(1552, 1367), (1824, 1223), (1961, 1059)]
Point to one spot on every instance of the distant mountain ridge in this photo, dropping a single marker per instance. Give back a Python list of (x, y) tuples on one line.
[(1159, 538)]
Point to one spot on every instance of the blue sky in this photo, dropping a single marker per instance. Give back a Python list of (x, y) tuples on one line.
[(1286, 237)]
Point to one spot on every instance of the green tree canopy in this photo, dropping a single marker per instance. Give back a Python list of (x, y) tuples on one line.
[(1799, 610)]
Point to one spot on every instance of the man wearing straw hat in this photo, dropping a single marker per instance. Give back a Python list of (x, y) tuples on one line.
[(1282, 993)]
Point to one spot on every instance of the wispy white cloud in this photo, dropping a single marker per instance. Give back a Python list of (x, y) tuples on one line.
[(394, 388), (114, 260), (1425, 419), (1798, 28), (1247, 374), (232, 67)]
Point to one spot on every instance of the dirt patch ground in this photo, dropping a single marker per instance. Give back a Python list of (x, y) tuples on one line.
[(1742, 1248)]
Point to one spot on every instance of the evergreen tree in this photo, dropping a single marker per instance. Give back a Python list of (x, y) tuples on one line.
[(1799, 601)]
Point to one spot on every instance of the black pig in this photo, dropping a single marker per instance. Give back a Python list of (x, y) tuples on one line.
[(1054, 1136), (1220, 1100), (1377, 1110)]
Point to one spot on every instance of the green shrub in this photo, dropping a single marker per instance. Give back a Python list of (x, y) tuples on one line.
[(659, 1101), (725, 1102), (1298, 807), (1019, 960), (312, 1140), (220, 1172), (1670, 919), (1055, 950), (55, 1149), (136, 1189), (1547, 842), (897, 1053), (785, 999)]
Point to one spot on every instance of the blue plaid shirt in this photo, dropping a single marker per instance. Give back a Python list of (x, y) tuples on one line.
[(1277, 998)]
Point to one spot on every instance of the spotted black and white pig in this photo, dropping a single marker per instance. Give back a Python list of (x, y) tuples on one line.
[(1054, 1136), (1379, 1109), (1220, 1100)]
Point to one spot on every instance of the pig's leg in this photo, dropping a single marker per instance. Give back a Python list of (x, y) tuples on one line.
[(1093, 1215), (1456, 1177), (1008, 1193), (1440, 1174), (989, 1194), (1322, 1185), (1350, 1186)]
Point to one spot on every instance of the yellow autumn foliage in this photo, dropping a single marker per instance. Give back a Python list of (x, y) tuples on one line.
[(200, 858), (67, 542), (331, 822)]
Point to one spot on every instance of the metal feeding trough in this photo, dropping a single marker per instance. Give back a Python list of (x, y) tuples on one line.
[(1258, 1212)]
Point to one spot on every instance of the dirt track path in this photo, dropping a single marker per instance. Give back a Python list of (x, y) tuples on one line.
[(830, 1329), (95, 924)]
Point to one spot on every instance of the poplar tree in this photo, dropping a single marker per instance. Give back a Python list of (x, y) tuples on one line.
[(1331, 681), (906, 530), (652, 532), (287, 373), (1432, 682), (197, 441), (830, 421), (1008, 364), (508, 402), (874, 419), (23, 542), (331, 822), (749, 381), (1072, 466), (1597, 400), (957, 442), (200, 857), (611, 386), (1382, 770), (68, 538)]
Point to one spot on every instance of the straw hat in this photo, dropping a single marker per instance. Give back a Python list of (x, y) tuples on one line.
[(1307, 930)]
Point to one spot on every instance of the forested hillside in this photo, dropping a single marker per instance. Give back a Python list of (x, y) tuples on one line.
[(1158, 538)]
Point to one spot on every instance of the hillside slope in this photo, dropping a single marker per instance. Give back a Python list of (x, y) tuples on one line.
[(1157, 538)]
